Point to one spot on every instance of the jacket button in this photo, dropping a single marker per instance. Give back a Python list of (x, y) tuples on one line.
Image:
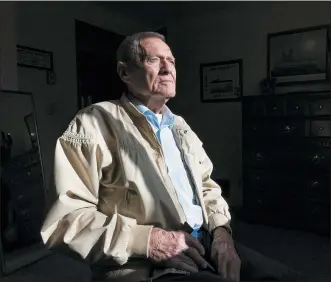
[(185, 131)]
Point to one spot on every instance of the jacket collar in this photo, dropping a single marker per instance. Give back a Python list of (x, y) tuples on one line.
[(178, 122), (131, 109), (179, 125)]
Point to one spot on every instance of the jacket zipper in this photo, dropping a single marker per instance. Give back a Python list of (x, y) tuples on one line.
[(190, 174)]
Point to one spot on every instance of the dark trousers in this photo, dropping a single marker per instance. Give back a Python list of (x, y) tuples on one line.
[(254, 267)]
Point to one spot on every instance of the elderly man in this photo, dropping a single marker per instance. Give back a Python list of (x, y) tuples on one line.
[(135, 197)]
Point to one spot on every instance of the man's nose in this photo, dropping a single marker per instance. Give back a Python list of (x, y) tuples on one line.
[(166, 67)]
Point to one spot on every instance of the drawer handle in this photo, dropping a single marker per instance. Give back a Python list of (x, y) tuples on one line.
[(317, 158), (274, 108), (288, 128), (258, 156), (320, 106), (321, 128), (297, 108), (314, 184)]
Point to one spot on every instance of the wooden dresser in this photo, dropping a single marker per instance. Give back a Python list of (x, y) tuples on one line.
[(286, 161)]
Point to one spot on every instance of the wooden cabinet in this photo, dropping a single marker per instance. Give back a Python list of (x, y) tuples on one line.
[(286, 161)]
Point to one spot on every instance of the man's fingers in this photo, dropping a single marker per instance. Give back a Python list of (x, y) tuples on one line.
[(187, 267), (222, 266), (196, 257), (185, 263), (194, 243), (233, 271)]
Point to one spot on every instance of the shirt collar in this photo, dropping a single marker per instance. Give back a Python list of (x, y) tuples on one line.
[(168, 116)]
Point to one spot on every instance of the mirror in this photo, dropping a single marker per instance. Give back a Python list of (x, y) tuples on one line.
[(22, 191)]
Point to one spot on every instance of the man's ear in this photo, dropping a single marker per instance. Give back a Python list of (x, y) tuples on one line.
[(122, 70)]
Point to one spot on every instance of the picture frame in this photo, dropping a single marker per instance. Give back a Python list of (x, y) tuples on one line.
[(299, 56), (34, 58), (221, 81)]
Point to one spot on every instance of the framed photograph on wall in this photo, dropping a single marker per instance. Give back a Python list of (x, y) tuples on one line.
[(221, 81), (34, 58), (299, 56)]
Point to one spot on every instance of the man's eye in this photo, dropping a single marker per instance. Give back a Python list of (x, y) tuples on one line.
[(152, 59)]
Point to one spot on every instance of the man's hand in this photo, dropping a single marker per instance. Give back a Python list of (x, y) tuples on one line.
[(176, 249), (224, 255)]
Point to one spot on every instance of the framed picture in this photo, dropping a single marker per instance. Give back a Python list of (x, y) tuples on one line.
[(34, 58), (299, 56), (221, 82)]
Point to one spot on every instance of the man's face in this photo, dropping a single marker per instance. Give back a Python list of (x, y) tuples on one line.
[(157, 74)]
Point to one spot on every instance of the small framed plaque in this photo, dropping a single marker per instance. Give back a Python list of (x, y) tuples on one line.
[(222, 81), (34, 58)]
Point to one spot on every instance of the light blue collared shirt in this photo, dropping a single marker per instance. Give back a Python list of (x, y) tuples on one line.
[(162, 125)]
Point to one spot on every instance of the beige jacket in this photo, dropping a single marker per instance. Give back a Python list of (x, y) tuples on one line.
[(113, 186)]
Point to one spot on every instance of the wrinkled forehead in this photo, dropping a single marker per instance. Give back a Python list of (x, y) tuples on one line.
[(155, 47)]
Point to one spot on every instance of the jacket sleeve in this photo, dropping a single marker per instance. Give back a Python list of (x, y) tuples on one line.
[(74, 221), (216, 206)]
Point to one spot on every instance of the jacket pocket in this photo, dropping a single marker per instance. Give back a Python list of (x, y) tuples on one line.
[(189, 141)]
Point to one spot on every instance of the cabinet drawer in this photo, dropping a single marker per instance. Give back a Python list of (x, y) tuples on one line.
[(316, 214), (275, 108), (270, 188), (318, 188), (320, 128), (253, 129), (279, 189), (320, 107), (288, 158), (281, 128), (319, 159), (264, 158), (297, 107), (288, 128)]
